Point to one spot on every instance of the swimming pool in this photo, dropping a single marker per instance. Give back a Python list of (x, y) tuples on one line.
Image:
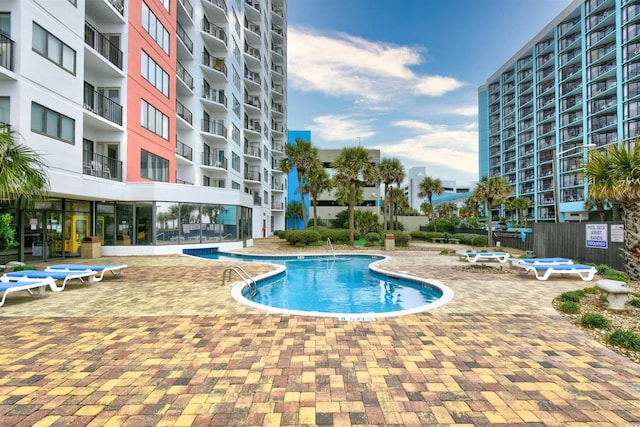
[(345, 286)]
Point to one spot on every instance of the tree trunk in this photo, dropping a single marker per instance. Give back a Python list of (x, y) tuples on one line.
[(304, 207), (315, 214), (352, 203), (632, 239), (489, 227)]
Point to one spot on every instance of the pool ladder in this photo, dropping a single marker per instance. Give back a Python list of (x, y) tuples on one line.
[(244, 276), (331, 246)]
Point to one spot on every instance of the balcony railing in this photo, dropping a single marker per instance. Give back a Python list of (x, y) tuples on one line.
[(182, 35), (215, 127), (277, 146), (253, 125), (215, 63), (220, 3), (252, 151), (184, 150), (6, 52), (214, 30), (252, 175), (184, 112), (101, 44), (215, 95), (188, 7), (118, 5), (253, 3), (214, 160), (276, 185), (101, 105), (101, 166), (184, 75), (277, 206)]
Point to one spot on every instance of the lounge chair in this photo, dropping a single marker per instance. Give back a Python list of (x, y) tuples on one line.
[(85, 276), (8, 286), (117, 270), (534, 261), (544, 271), (501, 257)]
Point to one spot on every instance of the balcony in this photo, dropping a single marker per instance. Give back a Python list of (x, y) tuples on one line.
[(184, 75), (99, 104), (101, 44), (252, 175), (182, 35), (213, 62), (252, 125), (101, 166), (214, 160), (277, 186), (6, 52), (184, 150), (117, 5), (215, 95), (184, 113), (251, 150), (277, 206), (214, 30), (215, 127)]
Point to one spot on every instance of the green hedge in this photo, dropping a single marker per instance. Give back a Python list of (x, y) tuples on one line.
[(338, 236), (402, 238), (302, 237)]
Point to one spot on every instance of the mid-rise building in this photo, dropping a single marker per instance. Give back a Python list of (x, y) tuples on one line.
[(575, 84), (161, 122)]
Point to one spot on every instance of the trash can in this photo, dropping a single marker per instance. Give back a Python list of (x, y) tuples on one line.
[(90, 247), (36, 249), (389, 242)]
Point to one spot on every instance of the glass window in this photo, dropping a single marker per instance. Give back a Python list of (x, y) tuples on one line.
[(49, 46), (154, 28), (154, 120), (52, 123), (154, 167)]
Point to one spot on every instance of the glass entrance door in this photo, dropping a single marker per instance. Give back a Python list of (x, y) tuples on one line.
[(54, 235)]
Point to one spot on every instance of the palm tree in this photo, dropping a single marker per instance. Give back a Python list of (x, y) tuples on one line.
[(399, 204), (294, 211), (447, 208), (428, 187), (300, 156), (491, 191), (22, 176), (352, 165), (318, 180), (522, 205), (390, 171), (615, 175)]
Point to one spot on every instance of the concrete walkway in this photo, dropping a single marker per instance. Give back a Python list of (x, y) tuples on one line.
[(167, 345)]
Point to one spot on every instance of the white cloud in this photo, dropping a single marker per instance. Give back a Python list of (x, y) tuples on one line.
[(340, 128), (438, 147), (343, 65)]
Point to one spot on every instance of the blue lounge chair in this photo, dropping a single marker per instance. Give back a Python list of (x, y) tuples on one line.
[(85, 277), (117, 270), (546, 261), (473, 257), (544, 271), (8, 286)]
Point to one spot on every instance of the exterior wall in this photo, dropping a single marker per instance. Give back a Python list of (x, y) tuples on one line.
[(575, 83), (102, 163)]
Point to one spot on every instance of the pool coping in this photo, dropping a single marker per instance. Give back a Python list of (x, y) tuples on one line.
[(238, 287)]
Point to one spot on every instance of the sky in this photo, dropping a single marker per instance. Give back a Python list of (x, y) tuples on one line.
[(402, 76)]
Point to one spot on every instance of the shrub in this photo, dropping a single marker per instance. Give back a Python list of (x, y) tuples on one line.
[(625, 338), (372, 237), (594, 321), (592, 290), (572, 296), (569, 307), (616, 275), (302, 237), (24, 267), (366, 222), (479, 241), (635, 302), (338, 235)]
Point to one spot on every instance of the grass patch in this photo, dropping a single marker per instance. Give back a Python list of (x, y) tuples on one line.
[(594, 321)]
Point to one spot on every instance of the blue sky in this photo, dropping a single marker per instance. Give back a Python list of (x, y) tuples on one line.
[(403, 76)]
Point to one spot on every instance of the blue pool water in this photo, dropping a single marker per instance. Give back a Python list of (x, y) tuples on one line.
[(341, 286)]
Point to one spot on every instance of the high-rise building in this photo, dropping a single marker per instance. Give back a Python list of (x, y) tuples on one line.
[(161, 122), (572, 88)]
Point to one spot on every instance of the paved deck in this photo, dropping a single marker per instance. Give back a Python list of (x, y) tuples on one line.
[(167, 345)]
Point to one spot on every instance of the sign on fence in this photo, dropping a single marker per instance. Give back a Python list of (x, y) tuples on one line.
[(617, 233), (597, 236)]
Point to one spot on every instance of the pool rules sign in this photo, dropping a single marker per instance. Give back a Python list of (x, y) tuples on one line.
[(597, 236)]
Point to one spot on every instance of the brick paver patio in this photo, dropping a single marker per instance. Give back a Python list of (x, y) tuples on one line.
[(167, 345)]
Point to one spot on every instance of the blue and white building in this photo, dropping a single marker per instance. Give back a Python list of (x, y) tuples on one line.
[(575, 84)]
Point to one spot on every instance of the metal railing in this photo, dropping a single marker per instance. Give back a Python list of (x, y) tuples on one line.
[(184, 150), (184, 112), (101, 44), (101, 166), (6, 52), (101, 105)]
